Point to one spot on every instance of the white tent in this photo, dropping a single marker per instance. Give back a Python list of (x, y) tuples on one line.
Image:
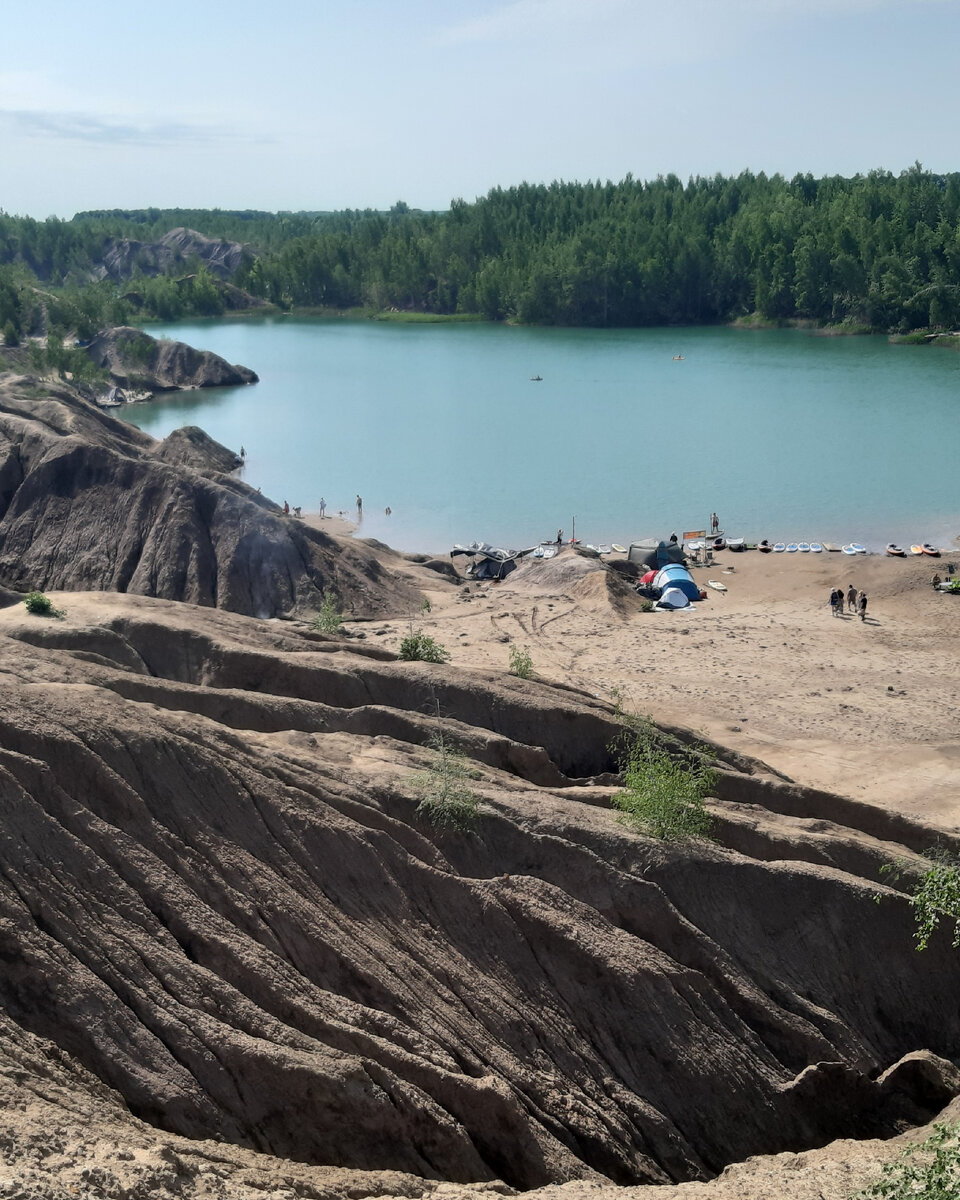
[(673, 597)]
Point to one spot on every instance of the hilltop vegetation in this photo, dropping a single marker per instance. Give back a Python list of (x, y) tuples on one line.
[(879, 251)]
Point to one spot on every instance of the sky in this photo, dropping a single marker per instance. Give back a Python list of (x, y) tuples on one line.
[(321, 105)]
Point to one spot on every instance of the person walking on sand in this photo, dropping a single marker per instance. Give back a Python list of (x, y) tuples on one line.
[(851, 598), (836, 601), (323, 506), (862, 606)]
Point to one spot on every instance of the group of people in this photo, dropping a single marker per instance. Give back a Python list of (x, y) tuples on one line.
[(856, 602)]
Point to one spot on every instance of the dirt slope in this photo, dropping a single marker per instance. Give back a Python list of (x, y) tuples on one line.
[(215, 895), (88, 502)]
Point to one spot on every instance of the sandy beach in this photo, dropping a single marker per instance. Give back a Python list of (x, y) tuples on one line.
[(866, 709)]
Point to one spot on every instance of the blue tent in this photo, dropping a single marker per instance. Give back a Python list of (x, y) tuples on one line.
[(673, 575)]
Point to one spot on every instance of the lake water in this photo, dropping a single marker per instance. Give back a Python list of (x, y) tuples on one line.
[(785, 435)]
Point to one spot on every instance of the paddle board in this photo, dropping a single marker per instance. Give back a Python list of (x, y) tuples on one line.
[(816, 548), (716, 585), (619, 549)]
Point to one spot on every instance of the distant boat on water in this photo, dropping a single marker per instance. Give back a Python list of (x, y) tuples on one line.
[(536, 379)]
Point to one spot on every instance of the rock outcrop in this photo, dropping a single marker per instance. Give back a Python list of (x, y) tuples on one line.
[(123, 257), (217, 897), (88, 502), (137, 360)]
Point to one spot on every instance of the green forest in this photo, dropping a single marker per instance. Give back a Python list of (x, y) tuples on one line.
[(874, 252)]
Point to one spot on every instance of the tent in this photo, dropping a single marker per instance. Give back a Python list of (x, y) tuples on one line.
[(673, 597), (653, 553), (676, 576), (489, 562)]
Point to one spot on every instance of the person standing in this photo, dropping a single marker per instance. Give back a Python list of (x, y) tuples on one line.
[(359, 505), (559, 536), (714, 523), (323, 506), (862, 606), (851, 598)]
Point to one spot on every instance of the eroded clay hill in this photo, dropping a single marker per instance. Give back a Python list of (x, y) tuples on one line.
[(215, 895), (89, 502)]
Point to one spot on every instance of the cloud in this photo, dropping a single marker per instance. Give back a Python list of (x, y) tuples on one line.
[(92, 128)]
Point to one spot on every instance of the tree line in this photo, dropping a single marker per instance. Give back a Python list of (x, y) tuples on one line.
[(877, 251)]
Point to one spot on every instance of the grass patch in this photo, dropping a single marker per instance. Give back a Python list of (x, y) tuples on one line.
[(329, 618), (521, 663), (935, 896), (928, 1171), (418, 646), (664, 796), (42, 606), (448, 803), (425, 318)]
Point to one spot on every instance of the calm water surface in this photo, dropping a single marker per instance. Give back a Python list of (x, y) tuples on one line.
[(785, 435)]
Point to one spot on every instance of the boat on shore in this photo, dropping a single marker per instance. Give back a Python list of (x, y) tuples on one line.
[(894, 550), (931, 550)]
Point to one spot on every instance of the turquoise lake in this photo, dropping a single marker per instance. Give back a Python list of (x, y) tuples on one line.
[(785, 435)]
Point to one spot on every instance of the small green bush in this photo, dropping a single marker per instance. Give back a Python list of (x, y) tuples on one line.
[(928, 1171), (447, 803), (521, 664), (418, 646), (329, 618), (646, 604), (935, 897), (41, 605), (663, 796)]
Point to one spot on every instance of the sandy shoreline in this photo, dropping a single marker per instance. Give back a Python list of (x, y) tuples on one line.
[(865, 709)]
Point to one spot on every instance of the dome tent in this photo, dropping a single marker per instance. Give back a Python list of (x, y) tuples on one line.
[(676, 576)]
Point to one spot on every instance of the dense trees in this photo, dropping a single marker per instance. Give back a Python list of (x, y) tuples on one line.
[(879, 251)]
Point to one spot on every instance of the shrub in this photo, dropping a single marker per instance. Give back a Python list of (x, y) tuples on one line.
[(447, 800), (928, 1171), (521, 664), (329, 618), (41, 605), (936, 895), (418, 646), (662, 796), (646, 604)]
